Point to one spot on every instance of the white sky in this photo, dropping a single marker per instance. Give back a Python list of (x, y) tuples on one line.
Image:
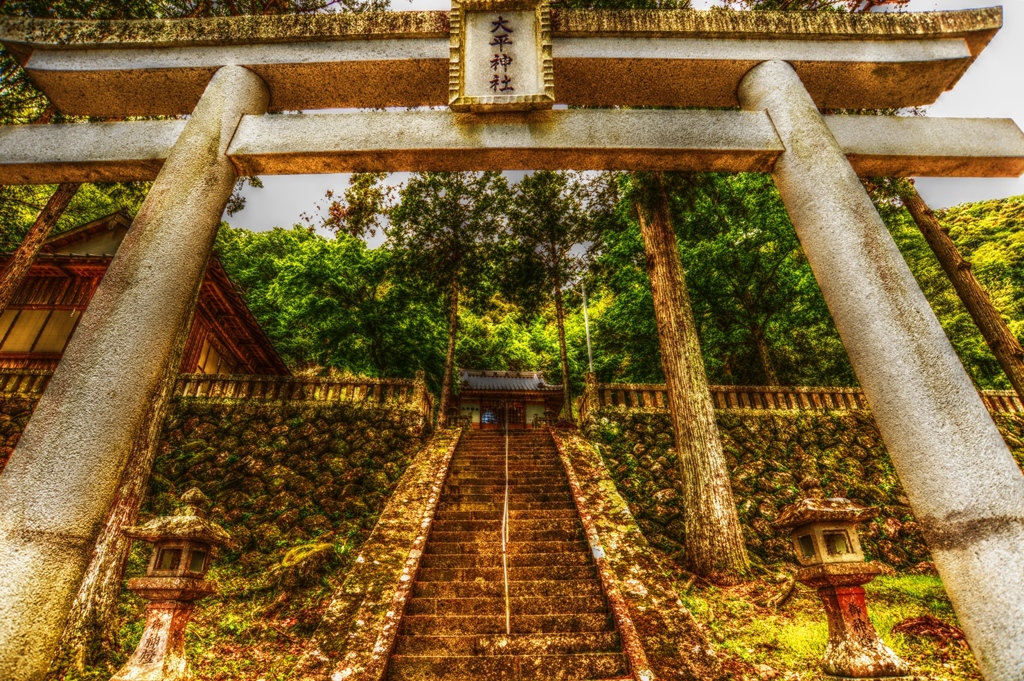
[(992, 88)]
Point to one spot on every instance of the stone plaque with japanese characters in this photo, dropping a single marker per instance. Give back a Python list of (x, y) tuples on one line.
[(501, 56)]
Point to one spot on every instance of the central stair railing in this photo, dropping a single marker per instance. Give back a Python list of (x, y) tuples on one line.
[(504, 534)]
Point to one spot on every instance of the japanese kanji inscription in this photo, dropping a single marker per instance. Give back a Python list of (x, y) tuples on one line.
[(500, 56)]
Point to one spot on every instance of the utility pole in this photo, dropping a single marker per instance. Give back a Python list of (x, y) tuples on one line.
[(586, 326)]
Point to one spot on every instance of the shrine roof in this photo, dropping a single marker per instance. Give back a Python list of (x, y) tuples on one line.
[(517, 381)]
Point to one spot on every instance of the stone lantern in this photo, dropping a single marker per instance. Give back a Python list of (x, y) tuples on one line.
[(827, 545), (183, 546)]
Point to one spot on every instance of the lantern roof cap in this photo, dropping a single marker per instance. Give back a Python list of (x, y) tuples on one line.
[(835, 509), (188, 522)]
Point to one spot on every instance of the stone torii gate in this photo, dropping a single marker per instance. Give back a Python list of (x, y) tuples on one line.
[(780, 69)]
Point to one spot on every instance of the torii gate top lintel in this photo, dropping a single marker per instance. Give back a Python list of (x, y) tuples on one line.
[(600, 58)]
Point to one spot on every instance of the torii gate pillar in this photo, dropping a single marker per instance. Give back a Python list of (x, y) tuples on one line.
[(59, 483), (966, 490)]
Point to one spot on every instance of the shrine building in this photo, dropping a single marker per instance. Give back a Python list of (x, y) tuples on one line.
[(225, 338), (485, 397)]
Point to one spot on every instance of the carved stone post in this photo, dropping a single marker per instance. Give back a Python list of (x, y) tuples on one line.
[(58, 485), (422, 396), (964, 486), (591, 400)]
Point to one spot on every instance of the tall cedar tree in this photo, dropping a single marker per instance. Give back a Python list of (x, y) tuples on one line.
[(546, 220), (444, 229), (761, 316), (714, 540), (994, 329)]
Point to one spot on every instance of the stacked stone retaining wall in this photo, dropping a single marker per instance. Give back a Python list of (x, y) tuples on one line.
[(283, 473), (774, 458)]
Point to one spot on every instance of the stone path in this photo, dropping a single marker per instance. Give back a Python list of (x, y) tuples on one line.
[(455, 623)]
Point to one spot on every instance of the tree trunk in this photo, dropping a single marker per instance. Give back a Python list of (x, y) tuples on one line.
[(17, 267), (714, 540), (560, 320), (449, 358), (764, 355), (89, 627), (771, 377), (997, 334)]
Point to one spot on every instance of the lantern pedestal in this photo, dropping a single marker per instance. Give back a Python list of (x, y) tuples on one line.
[(854, 648), (161, 652)]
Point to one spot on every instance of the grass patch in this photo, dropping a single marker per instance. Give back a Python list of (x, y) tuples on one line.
[(757, 641)]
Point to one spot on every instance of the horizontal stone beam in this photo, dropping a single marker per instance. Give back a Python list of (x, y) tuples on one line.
[(635, 58), (86, 152), (731, 141), (898, 146), (441, 140)]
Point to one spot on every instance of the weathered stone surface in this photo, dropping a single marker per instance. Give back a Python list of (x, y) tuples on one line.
[(93, 152), (900, 146), (659, 634), (358, 629), (255, 486), (441, 140), (639, 58), (60, 480), (966, 490), (161, 652)]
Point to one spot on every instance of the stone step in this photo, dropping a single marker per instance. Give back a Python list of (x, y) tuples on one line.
[(451, 525), (538, 588), (445, 507), (488, 480), (516, 503), (437, 625), (441, 560), (500, 498), (515, 573), (568, 511), (510, 667), (513, 487), (530, 477), (515, 534), (498, 468), (454, 624), (495, 548), (495, 605), (568, 643)]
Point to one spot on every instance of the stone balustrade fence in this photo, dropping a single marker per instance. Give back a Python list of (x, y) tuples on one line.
[(653, 396), (402, 393)]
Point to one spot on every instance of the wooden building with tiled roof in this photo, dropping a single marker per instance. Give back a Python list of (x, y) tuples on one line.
[(225, 338), (486, 397)]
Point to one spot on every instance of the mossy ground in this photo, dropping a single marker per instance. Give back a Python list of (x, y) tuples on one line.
[(757, 641), (258, 624)]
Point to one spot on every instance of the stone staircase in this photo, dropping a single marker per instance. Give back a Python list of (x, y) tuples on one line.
[(454, 627)]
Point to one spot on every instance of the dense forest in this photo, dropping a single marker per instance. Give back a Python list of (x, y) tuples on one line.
[(331, 303), (334, 303)]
